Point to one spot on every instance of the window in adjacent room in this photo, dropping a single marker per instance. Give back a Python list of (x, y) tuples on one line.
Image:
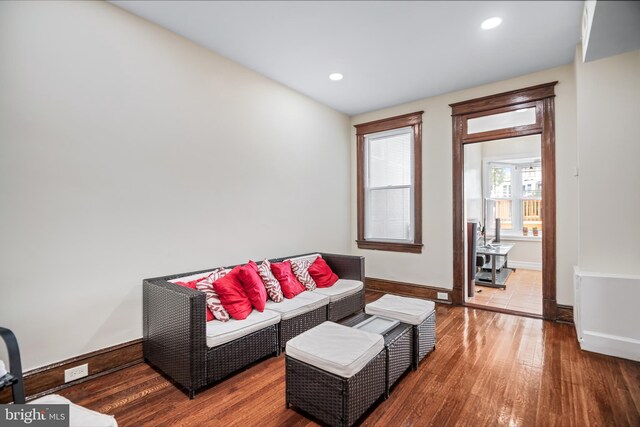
[(514, 189), (389, 182)]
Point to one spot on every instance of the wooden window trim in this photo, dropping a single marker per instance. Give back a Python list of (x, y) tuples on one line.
[(413, 120)]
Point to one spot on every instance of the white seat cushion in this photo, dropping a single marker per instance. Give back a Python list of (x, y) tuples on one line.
[(342, 288), (302, 303), (406, 310), (335, 348), (79, 416), (219, 333)]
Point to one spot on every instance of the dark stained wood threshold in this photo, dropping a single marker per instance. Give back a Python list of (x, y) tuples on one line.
[(50, 378), (503, 310), (406, 289)]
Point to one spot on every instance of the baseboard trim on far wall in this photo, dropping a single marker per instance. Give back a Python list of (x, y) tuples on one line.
[(525, 265), (407, 289), (50, 378)]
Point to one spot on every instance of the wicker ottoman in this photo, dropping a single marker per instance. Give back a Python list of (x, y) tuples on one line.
[(398, 345), (417, 312), (335, 373)]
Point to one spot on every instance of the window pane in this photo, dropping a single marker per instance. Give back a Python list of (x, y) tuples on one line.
[(388, 214), (389, 159), (525, 116), (500, 180), (502, 209), (531, 217), (532, 181)]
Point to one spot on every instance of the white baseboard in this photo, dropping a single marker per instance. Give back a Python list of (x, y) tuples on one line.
[(525, 265), (612, 345)]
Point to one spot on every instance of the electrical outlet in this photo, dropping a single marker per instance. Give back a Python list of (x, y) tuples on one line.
[(443, 295), (76, 373)]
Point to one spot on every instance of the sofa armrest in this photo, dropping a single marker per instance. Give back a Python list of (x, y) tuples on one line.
[(174, 331), (346, 266)]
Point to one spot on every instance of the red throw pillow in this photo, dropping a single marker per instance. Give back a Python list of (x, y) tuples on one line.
[(322, 274), (253, 286), (232, 295), (290, 285), (192, 285)]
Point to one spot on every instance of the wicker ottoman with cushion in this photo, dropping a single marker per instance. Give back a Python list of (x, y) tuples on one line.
[(335, 373), (417, 312), (398, 346)]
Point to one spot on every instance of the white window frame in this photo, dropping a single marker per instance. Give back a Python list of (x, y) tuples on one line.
[(368, 189), (516, 191)]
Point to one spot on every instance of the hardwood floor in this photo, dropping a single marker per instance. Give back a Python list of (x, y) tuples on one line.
[(523, 293), (489, 369)]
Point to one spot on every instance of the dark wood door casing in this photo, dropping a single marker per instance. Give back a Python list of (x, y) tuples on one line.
[(542, 98)]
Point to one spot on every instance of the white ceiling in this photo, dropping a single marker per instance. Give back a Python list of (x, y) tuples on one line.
[(389, 52)]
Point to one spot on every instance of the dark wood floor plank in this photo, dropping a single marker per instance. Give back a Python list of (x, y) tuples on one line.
[(489, 369)]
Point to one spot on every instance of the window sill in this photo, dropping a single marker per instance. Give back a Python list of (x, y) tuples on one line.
[(521, 238), (414, 248)]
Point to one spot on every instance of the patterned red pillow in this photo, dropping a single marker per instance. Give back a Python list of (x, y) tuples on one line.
[(271, 284), (288, 282), (213, 301), (253, 286), (232, 295), (192, 285), (300, 268), (322, 273)]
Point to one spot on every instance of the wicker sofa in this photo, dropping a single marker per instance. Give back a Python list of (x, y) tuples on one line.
[(175, 338)]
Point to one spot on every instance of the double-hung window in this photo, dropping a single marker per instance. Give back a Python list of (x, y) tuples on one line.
[(514, 194), (389, 186), (389, 171)]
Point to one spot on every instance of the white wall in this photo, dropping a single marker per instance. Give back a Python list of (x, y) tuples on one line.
[(525, 254), (608, 93), (434, 267), (129, 152), (473, 182)]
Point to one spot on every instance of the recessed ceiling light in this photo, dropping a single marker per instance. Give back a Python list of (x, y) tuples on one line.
[(335, 76), (491, 23)]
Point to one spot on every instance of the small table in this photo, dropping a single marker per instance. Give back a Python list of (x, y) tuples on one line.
[(495, 250), (397, 344)]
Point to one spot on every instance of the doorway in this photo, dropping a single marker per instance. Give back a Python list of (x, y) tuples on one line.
[(518, 113), (503, 206)]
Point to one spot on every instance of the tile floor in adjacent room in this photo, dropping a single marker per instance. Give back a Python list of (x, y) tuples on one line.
[(523, 293)]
